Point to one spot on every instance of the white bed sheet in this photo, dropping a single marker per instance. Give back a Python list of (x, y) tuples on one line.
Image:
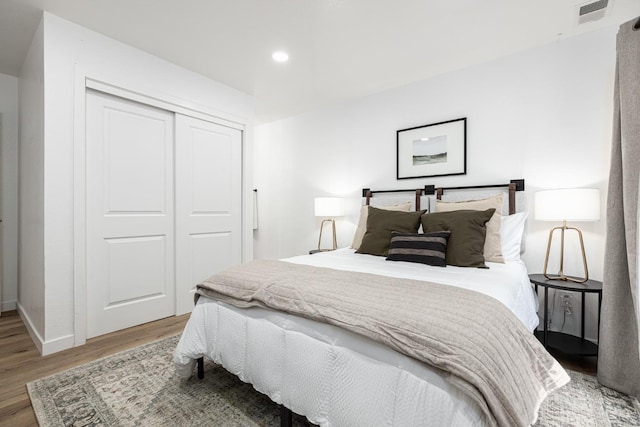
[(336, 377)]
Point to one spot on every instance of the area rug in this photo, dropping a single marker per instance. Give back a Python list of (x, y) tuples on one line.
[(139, 387)]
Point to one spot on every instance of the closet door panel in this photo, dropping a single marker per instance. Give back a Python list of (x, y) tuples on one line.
[(208, 190), (211, 153), (131, 276), (135, 164), (209, 252), (130, 214)]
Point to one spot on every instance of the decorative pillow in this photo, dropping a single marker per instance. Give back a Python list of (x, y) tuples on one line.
[(364, 214), (511, 233), (427, 248), (381, 223), (492, 245), (468, 231)]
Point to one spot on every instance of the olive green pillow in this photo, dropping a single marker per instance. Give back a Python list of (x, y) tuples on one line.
[(493, 243), (468, 230), (364, 215), (381, 223)]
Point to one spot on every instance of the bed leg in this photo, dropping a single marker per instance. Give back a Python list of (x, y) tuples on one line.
[(286, 416), (200, 361)]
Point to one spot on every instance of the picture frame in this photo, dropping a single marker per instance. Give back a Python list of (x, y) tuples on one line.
[(436, 149)]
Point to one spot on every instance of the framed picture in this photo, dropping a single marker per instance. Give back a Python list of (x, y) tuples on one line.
[(438, 149)]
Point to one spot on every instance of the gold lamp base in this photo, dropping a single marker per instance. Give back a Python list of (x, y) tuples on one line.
[(561, 275), (335, 242)]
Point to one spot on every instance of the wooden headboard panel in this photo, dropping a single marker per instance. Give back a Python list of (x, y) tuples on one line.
[(513, 186)]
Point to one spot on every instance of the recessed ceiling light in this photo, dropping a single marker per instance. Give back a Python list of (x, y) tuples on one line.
[(280, 56)]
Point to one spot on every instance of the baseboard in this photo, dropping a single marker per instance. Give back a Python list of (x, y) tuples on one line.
[(33, 332), (44, 347), (58, 344), (7, 306)]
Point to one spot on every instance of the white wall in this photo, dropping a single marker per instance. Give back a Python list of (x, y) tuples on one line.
[(31, 283), (9, 191), (70, 50), (543, 115)]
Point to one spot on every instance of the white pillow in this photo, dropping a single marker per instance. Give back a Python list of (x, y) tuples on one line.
[(364, 214), (511, 233)]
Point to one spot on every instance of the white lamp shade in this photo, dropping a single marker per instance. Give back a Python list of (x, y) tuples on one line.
[(329, 206), (573, 204)]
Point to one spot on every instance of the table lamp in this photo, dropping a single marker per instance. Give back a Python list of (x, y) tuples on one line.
[(575, 204), (328, 207)]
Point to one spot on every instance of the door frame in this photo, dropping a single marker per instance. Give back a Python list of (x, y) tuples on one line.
[(83, 80)]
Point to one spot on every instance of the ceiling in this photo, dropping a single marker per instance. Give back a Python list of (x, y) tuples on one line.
[(338, 49)]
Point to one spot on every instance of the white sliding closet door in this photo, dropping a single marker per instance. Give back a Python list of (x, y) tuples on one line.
[(129, 213), (208, 203)]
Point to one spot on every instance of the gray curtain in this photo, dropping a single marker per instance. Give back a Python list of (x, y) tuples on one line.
[(618, 358)]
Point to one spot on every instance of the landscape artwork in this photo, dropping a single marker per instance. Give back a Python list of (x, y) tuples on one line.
[(427, 151), (436, 149)]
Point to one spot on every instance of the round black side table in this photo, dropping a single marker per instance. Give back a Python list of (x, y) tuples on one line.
[(567, 343)]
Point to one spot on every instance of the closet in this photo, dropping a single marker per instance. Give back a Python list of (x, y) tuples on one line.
[(163, 209)]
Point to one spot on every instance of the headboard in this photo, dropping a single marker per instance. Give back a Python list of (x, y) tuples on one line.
[(513, 186), (367, 193)]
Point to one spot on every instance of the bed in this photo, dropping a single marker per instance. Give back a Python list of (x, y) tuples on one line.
[(324, 366)]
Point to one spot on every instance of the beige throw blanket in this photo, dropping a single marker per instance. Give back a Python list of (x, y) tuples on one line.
[(473, 339)]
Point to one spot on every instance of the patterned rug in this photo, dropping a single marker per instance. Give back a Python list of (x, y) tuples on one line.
[(139, 387)]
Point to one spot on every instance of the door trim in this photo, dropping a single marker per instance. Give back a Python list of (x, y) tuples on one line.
[(84, 79), (174, 106)]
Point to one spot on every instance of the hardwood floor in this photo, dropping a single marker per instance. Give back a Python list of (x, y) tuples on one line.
[(21, 363), (586, 365)]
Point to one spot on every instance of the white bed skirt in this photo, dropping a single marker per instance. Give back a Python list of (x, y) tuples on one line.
[(332, 376)]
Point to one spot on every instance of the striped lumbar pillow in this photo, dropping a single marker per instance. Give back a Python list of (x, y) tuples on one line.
[(427, 248)]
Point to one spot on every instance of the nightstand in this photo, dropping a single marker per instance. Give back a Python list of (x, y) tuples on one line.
[(566, 343)]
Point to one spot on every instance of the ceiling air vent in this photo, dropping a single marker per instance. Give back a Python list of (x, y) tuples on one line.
[(592, 11)]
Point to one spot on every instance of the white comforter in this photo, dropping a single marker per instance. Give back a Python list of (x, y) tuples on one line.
[(336, 377)]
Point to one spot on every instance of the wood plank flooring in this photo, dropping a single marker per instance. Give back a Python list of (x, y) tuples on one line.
[(21, 363), (584, 364)]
